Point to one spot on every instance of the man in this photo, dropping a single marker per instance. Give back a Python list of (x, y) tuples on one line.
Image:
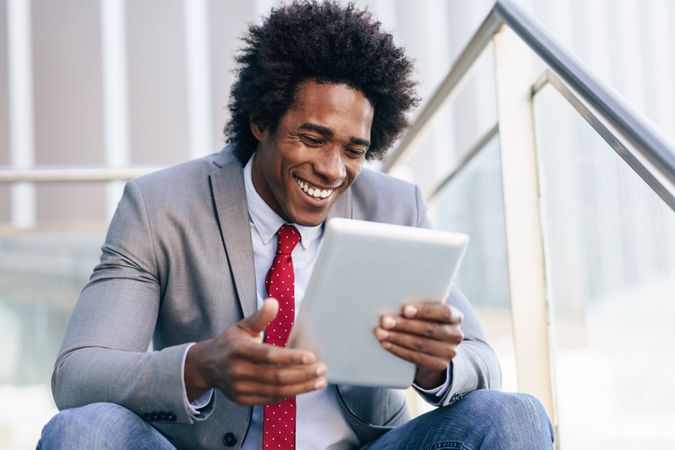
[(189, 260)]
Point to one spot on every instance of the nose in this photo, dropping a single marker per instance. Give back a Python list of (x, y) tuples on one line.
[(330, 166)]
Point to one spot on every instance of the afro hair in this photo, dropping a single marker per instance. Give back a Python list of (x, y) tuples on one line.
[(325, 42)]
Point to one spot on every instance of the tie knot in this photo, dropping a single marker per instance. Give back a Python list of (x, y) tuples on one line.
[(288, 239)]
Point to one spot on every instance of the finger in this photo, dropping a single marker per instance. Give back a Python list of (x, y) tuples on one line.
[(269, 354), (432, 347), (438, 312), (422, 360), (278, 375), (433, 330), (273, 393), (247, 400), (256, 323)]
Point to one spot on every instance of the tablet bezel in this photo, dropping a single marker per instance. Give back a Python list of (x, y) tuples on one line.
[(337, 318)]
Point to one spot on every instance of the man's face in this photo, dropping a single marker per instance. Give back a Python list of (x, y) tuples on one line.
[(316, 152)]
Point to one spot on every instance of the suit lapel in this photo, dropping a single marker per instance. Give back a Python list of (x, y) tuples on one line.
[(227, 188)]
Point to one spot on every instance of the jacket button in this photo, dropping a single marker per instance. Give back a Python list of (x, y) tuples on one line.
[(229, 439)]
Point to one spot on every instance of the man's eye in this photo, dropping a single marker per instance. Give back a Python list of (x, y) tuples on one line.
[(311, 140), (357, 153)]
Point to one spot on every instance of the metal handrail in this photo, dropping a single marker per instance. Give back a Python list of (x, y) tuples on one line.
[(644, 138), (50, 174), (450, 85), (464, 161)]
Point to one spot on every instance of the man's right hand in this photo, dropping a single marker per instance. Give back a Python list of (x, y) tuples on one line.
[(247, 371)]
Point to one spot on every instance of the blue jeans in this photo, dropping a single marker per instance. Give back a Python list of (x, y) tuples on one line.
[(483, 419)]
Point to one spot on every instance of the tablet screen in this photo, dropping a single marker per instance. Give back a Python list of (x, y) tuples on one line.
[(366, 269)]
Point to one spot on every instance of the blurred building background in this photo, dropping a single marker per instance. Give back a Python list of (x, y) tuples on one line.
[(145, 82)]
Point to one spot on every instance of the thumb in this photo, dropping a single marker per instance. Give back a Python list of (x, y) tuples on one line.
[(256, 323)]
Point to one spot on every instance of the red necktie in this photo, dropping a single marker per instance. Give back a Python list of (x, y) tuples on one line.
[(279, 419)]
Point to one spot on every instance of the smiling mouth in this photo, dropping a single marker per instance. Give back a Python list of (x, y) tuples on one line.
[(311, 190)]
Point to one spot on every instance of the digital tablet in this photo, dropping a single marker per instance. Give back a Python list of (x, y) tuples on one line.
[(363, 270)]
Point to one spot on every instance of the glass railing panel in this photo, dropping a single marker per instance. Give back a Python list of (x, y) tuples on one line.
[(41, 274), (472, 203), (611, 252), (455, 129)]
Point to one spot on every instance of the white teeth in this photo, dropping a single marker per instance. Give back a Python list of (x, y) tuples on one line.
[(312, 191)]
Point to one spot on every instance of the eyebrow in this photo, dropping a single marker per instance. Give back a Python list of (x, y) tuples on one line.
[(328, 133)]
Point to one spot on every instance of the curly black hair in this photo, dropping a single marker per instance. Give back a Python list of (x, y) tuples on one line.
[(325, 42)]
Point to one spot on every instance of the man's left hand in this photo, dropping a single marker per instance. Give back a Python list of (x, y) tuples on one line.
[(425, 333)]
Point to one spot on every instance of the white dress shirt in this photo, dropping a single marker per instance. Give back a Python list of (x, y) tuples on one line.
[(316, 410), (319, 419)]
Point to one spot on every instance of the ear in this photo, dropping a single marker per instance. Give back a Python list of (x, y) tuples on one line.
[(258, 131)]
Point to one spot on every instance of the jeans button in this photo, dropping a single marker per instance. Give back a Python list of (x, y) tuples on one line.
[(229, 439)]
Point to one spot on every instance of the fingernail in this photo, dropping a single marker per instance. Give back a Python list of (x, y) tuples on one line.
[(307, 359), (321, 370), (380, 333), (410, 311), (320, 384), (388, 322), (386, 345)]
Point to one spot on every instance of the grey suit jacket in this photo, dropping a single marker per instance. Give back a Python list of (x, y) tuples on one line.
[(177, 267)]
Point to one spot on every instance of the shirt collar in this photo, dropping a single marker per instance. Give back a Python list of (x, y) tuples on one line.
[(265, 220)]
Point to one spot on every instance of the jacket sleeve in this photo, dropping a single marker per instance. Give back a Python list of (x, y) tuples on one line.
[(476, 365), (105, 356)]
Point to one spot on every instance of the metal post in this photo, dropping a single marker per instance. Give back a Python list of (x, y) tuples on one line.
[(531, 316), (21, 114), (116, 121), (198, 76)]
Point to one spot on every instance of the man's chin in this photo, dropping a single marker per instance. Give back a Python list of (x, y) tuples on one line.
[(308, 218), (310, 221)]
